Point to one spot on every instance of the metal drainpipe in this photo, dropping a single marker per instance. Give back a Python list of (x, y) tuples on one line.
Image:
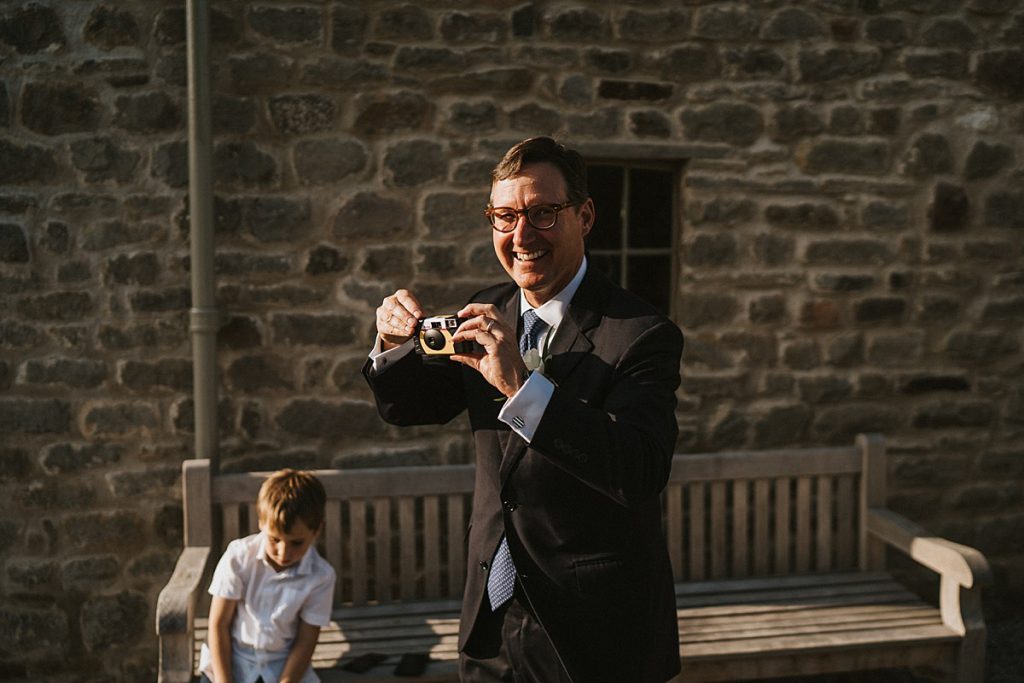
[(204, 316)]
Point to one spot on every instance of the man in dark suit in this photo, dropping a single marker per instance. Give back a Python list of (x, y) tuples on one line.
[(569, 578)]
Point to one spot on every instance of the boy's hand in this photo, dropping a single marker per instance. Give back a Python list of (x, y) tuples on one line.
[(299, 658)]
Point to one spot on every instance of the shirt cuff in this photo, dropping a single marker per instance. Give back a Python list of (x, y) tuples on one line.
[(525, 409), (382, 360)]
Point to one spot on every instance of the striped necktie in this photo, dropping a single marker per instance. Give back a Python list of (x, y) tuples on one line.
[(502, 579)]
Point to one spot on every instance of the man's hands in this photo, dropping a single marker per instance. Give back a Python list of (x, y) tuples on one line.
[(500, 362), (396, 318)]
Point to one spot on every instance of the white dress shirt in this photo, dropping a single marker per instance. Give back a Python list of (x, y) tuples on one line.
[(270, 605), (524, 410)]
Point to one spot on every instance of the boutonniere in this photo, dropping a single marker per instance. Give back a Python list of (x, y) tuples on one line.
[(535, 359)]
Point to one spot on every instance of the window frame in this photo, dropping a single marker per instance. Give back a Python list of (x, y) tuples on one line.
[(676, 168)]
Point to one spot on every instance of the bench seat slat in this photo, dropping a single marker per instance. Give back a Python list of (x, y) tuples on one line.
[(807, 642), (437, 672), (825, 595), (772, 582), (816, 627), (696, 623)]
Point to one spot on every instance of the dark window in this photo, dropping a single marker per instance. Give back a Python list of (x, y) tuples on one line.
[(632, 240)]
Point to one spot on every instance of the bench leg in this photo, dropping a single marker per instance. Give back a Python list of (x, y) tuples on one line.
[(176, 658), (971, 659)]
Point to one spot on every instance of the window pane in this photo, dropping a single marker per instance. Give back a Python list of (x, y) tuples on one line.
[(609, 264), (651, 278), (605, 186), (650, 208)]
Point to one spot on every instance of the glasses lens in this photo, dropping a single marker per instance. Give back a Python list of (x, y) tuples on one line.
[(503, 220), (542, 216)]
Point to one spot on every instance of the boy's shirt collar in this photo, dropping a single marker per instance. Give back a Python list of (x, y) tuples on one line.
[(302, 568)]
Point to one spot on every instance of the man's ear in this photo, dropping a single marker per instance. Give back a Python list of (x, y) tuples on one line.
[(587, 215)]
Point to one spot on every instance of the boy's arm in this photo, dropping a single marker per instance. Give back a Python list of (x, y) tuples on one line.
[(222, 613), (301, 653)]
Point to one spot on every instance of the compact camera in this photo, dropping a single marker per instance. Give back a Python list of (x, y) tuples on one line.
[(434, 336)]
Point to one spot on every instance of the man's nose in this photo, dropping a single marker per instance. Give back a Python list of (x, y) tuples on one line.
[(521, 229)]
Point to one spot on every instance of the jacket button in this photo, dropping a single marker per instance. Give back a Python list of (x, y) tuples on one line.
[(483, 565), (509, 505)]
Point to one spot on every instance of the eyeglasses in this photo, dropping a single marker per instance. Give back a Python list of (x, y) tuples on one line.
[(540, 216)]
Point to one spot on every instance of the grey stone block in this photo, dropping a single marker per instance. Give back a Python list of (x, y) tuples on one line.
[(251, 374), (318, 419), (120, 419), (288, 25), (113, 620), (31, 29), (405, 22), (26, 164), (1001, 72), (313, 330), (473, 27), (108, 28), (370, 216), (736, 124), (415, 162)]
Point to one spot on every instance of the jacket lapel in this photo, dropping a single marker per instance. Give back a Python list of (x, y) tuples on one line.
[(568, 347)]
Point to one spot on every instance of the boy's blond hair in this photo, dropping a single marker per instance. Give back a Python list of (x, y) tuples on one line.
[(288, 495)]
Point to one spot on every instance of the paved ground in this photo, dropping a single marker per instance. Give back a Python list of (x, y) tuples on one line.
[(1004, 661)]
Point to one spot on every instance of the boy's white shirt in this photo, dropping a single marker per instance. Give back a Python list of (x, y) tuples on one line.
[(270, 604), (524, 409)]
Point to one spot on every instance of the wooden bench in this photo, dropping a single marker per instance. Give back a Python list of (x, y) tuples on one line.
[(779, 558)]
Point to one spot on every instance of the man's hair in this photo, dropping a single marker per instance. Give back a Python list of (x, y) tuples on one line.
[(288, 495), (541, 150)]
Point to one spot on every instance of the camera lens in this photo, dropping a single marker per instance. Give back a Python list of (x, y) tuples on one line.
[(434, 339)]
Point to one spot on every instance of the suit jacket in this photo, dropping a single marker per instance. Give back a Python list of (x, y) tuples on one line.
[(580, 504)]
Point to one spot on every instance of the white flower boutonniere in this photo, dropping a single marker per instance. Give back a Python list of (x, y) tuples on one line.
[(533, 360)]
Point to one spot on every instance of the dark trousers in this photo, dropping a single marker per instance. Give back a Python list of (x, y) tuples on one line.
[(511, 647)]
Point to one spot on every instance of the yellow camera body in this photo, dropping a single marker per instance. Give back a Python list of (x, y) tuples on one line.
[(434, 336)]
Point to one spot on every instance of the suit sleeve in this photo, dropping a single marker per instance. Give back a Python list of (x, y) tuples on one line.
[(624, 447), (417, 391)]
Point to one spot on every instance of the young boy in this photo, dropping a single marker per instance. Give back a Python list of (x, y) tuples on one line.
[(272, 591)]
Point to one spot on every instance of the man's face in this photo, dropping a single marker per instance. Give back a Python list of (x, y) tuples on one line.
[(541, 262), (285, 548)]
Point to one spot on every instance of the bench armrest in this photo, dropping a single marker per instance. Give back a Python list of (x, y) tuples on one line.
[(963, 564), (962, 571), (175, 611)]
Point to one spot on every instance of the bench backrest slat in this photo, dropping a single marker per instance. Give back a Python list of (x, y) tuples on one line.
[(431, 547), (333, 540), (382, 548), (762, 526), (457, 515), (782, 507), (398, 534), (846, 514), (739, 514)]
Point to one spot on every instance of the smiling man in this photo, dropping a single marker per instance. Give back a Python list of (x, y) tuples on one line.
[(571, 399)]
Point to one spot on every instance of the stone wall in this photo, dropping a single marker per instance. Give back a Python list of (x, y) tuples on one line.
[(850, 236)]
